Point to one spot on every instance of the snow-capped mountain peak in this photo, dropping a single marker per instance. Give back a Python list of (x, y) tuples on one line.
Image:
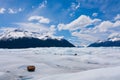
[(19, 33), (112, 41), (25, 39)]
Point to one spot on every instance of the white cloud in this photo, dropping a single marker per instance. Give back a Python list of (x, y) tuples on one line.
[(20, 10), (11, 11), (95, 14), (116, 24), (52, 30), (96, 21), (75, 6), (117, 17), (33, 27), (61, 27), (104, 26), (39, 28), (43, 4), (14, 11), (72, 14), (37, 10), (107, 26), (87, 37), (2, 10), (5, 29), (99, 30), (79, 23), (40, 19), (114, 35)]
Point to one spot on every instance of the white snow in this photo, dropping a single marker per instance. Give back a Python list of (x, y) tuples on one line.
[(15, 34), (19, 33), (60, 63), (96, 74)]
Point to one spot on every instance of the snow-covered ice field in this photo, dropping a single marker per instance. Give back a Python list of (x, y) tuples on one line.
[(60, 63)]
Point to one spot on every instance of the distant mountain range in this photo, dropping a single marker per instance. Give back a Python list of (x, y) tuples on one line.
[(112, 41), (24, 39)]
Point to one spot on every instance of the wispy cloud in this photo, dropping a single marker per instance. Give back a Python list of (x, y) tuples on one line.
[(10, 10), (74, 6), (95, 14), (2, 10), (106, 7), (5, 29), (14, 11), (39, 19), (20, 10), (37, 10), (84, 36), (33, 27), (117, 17), (43, 4), (52, 30)]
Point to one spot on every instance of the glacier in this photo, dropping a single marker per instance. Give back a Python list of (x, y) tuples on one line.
[(60, 63)]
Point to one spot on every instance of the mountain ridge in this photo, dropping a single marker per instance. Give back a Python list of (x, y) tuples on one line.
[(25, 39), (112, 41)]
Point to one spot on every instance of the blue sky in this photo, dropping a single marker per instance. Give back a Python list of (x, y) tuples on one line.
[(79, 21)]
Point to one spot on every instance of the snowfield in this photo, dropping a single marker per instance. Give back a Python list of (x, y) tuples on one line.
[(98, 74), (60, 63)]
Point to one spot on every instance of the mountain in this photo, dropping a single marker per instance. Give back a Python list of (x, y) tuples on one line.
[(24, 39), (112, 41)]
